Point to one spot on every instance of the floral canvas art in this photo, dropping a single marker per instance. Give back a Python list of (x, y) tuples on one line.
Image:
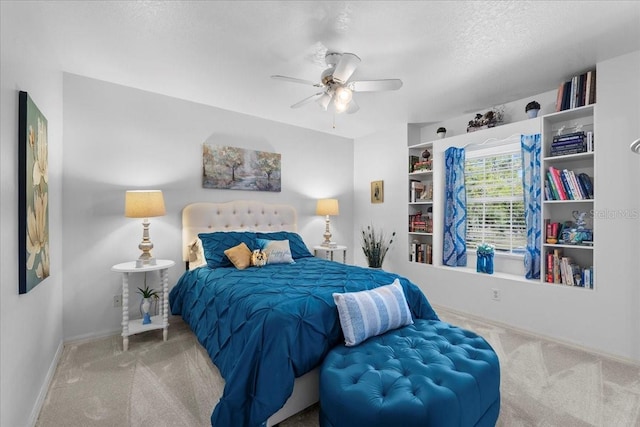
[(234, 168), (33, 195)]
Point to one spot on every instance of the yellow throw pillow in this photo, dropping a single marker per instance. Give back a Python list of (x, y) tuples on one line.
[(239, 255)]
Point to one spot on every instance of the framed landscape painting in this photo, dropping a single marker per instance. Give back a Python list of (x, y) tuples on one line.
[(33, 195), (234, 168)]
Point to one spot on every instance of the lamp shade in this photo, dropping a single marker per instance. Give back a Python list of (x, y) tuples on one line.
[(327, 207), (143, 204)]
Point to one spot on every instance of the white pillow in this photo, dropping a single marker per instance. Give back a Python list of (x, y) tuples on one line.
[(196, 254), (278, 251), (365, 314)]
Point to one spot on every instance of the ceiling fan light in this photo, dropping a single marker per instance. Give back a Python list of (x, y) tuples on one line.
[(324, 101), (344, 94), (340, 107)]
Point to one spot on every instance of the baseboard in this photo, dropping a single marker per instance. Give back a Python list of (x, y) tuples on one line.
[(44, 389), (570, 344), (79, 339)]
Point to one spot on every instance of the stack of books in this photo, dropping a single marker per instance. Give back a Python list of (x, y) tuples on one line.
[(421, 252), (562, 270), (572, 143), (567, 185), (577, 92)]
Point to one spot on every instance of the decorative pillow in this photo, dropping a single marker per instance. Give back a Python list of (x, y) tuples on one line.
[(196, 254), (296, 244), (278, 251), (258, 258), (239, 255), (216, 243), (365, 314)]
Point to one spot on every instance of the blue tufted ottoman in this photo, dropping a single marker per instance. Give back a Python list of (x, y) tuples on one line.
[(426, 374)]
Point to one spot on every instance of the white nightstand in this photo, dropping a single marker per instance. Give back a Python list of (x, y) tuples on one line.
[(330, 251), (161, 321)]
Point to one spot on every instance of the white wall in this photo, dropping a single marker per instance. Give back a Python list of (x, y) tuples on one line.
[(31, 324), (607, 319), (118, 138), (376, 158)]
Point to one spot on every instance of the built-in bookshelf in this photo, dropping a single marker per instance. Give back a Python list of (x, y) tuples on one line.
[(420, 196), (568, 151)]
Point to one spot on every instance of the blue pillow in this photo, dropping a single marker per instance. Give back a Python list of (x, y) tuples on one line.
[(278, 251), (298, 248), (369, 313), (214, 245)]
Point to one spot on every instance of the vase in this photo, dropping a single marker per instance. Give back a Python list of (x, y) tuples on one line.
[(484, 263), (146, 318), (532, 113)]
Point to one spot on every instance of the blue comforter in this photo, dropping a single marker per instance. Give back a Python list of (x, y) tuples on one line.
[(263, 327)]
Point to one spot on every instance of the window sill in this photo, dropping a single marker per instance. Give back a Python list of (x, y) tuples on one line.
[(498, 274)]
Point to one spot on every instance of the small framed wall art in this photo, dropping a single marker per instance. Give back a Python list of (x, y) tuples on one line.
[(377, 191), (33, 195)]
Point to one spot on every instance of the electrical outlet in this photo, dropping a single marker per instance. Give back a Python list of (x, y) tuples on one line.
[(495, 294), (117, 300)]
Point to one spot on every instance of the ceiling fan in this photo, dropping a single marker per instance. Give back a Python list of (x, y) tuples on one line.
[(336, 86)]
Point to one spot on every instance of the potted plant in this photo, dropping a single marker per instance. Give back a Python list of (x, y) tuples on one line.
[(532, 109), (147, 294), (375, 246)]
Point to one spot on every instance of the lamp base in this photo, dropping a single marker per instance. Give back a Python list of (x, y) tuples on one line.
[(143, 262)]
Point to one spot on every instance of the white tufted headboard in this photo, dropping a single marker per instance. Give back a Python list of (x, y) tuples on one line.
[(247, 215)]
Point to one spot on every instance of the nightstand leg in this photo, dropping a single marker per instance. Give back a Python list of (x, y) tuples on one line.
[(165, 303), (125, 311)]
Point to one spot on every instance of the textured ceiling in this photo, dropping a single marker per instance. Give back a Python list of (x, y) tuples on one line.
[(453, 56)]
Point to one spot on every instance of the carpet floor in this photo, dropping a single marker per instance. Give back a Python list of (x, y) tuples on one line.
[(174, 383)]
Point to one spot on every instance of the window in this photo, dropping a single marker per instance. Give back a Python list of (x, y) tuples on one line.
[(495, 205)]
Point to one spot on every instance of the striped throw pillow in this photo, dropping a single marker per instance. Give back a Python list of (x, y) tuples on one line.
[(365, 314)]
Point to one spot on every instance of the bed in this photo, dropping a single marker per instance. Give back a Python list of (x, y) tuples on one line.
[(267, 329)]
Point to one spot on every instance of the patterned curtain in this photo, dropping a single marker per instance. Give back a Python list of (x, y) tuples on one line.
[(455, 210), (530, 145)]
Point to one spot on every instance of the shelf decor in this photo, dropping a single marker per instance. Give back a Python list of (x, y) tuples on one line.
[(33, 195), (484, 253), (491, 118)]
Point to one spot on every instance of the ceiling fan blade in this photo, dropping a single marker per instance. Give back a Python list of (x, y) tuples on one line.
[(295, 80), (353, 107), (307, 100), (375, 85), (324, 100), (345, 67)]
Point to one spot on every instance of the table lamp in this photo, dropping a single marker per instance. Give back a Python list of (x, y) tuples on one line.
[(327, 207), (144, 204)]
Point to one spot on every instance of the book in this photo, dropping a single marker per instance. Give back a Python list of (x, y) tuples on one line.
[(585, 181), (571, 184), (592, 91), (577, 186), (412, 161), (568, 136), (552, 187), (566, 96), (582, 87), (557, 181), (589, 141), (559, 97), (567, 186)]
